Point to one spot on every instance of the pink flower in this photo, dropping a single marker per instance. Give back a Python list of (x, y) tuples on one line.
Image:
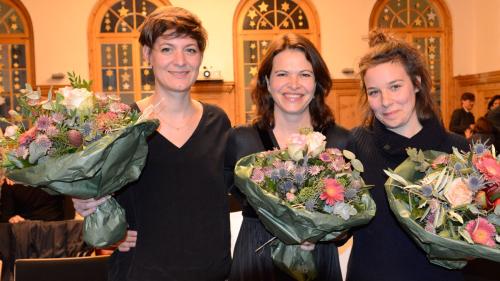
[(325, 157), (296, 146), (314, 170), (488, 166), (257, 175), (333, 191), (27, 137), (43, 122), (442, 159), (290, 196), (481, 231), (458, 193), (118, 107)]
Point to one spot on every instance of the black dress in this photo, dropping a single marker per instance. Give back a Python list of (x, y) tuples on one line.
[(179, 208), (382, 250), (248, 265)]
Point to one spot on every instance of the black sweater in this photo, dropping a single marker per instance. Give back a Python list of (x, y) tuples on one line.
[(382, 250)]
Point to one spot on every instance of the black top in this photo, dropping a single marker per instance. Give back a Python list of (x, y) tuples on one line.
[(179, 208), (460, 121), (382, 250), (247, 140), (31, 203)]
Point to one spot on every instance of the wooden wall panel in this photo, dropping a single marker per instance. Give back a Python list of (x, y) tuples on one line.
[(344, 100), (483, 85)]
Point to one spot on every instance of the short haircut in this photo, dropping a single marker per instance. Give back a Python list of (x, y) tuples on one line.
[(468, 96), (181, 21)]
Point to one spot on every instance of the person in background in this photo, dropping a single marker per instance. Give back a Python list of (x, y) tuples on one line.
[(177, 210), (292, 84), (493, 116), (400, 113), (19, 203), (462, 119), (482, 132)]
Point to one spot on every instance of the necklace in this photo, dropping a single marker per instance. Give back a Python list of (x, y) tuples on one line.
[(185, 125)]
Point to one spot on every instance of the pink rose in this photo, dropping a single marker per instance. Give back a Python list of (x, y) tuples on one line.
[(458, 193), (296, 145)]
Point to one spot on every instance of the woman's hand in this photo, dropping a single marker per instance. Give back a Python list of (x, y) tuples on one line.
[(86, 207), (16, 219), (128, 242), (307, 246)]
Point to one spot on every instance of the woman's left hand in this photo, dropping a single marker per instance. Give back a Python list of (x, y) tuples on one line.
[(307, 246)]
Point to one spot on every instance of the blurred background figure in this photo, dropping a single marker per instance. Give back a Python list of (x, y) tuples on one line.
[(19, 203), (493, 116), (462, 119), (482, 132)]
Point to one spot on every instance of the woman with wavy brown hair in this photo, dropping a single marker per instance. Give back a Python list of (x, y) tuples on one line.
[(291, 86), (400, 113)]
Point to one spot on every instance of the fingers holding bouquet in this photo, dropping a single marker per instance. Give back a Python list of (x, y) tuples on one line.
[(85, 207), (128, 242)]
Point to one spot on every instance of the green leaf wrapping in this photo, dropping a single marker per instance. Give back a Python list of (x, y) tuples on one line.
[(446, 252), (294, 226), (102, 168)]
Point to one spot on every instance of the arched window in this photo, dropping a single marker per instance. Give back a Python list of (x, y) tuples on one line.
[(255, 24), (116, 63), (16, 52), (427, 24)]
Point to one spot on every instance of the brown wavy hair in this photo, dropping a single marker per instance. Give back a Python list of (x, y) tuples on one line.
[(321, 115), (387, 48), (182, 21)]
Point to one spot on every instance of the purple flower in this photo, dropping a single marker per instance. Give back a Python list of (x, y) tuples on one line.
[(314, 170), (51, 131), (58, 117), (43, 141), (257, 175), (325, 157), (43, 122), (21, 152)]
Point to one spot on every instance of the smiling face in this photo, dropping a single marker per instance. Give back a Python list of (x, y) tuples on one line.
[(291, 83), (175, 62), (391, 96)]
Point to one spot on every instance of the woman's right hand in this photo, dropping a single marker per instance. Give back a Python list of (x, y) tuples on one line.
[(86, 207), (128, 242)]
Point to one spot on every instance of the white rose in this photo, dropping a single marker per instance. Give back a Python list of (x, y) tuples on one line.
[(315, 144), (11, 132), (296, 145), (78, 98)]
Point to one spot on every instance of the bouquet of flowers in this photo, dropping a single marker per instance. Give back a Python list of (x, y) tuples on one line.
[(81, 144), (449, 203), (304, 193)]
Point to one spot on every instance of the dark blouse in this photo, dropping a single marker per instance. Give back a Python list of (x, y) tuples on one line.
[(179, 208), (382, 250)]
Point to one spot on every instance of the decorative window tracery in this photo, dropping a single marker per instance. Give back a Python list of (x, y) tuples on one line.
[(16, 52), (425, 23), (256, 23), (117, 65)]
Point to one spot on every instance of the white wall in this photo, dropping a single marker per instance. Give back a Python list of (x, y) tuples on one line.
[(61, 37)]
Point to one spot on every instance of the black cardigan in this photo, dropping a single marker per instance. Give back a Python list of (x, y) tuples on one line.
[(382, 250)]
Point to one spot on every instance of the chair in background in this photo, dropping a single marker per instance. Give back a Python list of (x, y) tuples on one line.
[(62, 269)]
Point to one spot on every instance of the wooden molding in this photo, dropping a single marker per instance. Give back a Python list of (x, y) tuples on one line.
[(478, 79)]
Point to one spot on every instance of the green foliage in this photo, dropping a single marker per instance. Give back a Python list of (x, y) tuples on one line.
[(78, 82)]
